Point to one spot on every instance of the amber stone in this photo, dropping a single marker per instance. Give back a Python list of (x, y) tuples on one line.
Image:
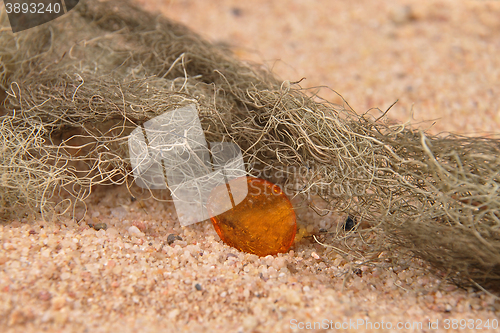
[(261, 222)]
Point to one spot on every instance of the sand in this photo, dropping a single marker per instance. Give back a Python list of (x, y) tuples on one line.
[(439, 59)]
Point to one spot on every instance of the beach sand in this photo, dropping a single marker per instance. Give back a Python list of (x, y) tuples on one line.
[(439, 59)]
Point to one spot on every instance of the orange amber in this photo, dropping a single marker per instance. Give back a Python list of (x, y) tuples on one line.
[(262, 223)]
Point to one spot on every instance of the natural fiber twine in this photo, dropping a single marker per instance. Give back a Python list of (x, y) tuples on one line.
[(73, 89)]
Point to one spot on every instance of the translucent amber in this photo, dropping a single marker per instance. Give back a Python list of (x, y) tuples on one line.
[(263, 223)]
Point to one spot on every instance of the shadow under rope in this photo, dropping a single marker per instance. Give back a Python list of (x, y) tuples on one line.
[(3, 97)]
